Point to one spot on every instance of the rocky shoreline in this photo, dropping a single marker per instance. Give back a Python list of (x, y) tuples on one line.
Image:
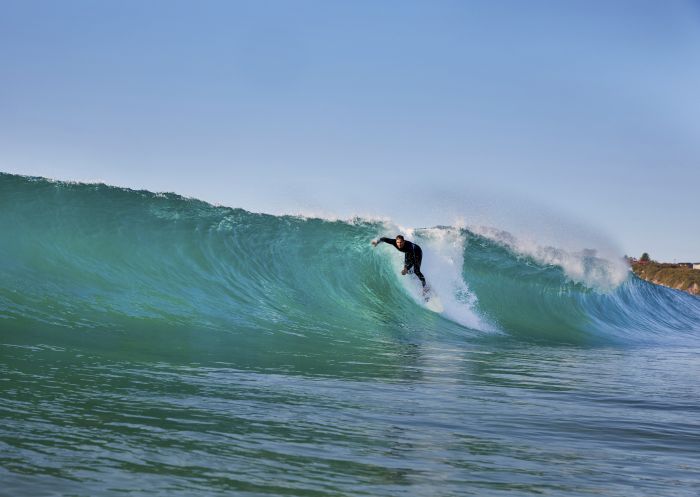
[(669, 275)]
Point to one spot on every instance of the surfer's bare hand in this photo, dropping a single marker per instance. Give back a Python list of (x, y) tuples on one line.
[(374, 243), (404, 271)]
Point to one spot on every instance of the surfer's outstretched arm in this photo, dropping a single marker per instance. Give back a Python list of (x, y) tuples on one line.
[(390, 241)]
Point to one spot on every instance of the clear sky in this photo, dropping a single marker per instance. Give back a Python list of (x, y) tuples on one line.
[(590, 109)]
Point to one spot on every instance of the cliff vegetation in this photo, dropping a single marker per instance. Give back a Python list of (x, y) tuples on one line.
[(670, 275)]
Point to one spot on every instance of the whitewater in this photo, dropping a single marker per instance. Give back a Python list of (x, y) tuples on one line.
[(153, 344)]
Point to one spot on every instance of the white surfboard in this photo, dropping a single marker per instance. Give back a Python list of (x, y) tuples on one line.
[(432, 301)]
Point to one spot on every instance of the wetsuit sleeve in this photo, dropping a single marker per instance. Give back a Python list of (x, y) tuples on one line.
[(390, 241)]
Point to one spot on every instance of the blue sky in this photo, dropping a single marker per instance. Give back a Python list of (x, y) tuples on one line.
[(587, 110)]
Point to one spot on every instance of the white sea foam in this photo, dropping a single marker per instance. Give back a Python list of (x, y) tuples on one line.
[(443, 259), (589, 266)]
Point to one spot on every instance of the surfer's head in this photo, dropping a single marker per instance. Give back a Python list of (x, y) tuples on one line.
[(399, 241)]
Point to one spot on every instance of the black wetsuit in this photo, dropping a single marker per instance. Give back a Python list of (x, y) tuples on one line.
[(413, 255)]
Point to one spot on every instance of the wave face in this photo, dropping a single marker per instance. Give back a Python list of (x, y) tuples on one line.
[(91, 256)]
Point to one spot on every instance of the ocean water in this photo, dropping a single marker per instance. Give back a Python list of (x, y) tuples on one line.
[(152, 344)]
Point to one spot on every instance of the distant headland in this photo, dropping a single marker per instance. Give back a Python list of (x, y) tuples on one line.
[(683, 276)]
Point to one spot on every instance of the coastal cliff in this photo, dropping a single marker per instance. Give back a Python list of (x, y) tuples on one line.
[(670, 275)]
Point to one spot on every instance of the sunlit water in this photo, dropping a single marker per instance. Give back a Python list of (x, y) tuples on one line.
[(444, 419)]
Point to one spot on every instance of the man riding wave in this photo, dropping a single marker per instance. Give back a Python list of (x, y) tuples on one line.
[(413, 255)]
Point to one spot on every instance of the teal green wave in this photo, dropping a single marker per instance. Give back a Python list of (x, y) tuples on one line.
[(96, 257)]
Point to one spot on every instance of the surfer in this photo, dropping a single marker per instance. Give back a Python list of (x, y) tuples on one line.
[(413, 255)]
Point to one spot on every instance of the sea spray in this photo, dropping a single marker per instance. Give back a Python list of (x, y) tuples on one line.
[(443, 259)]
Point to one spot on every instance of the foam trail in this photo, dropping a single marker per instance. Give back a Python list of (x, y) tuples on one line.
[(443, 260)]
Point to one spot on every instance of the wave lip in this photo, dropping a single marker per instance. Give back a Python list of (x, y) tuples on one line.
[(583, 266)]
